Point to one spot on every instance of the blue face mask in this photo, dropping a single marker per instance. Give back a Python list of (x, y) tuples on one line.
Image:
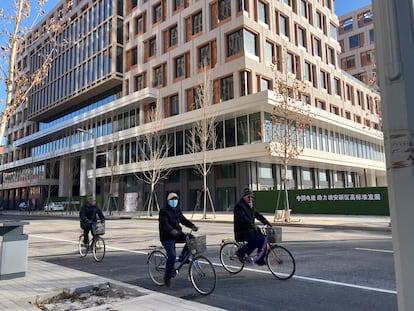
[(173, 202)]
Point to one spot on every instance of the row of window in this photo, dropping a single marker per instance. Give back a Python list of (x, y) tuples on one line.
[(363, 19), (229, 133)]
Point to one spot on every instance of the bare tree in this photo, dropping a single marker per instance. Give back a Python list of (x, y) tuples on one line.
[(203, 134), (154, 151), (19, 80), (286, 130)]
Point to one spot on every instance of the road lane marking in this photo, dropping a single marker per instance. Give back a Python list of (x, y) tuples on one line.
[(375, 289), (374, 250)]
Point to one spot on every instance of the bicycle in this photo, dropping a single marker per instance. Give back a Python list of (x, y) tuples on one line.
[(97, 244), (201, 272), (278, 259)]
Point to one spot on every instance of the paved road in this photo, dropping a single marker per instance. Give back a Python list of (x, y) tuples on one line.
[(336, 270)]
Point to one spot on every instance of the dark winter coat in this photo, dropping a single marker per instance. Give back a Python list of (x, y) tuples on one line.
[(170, 218), (88, 214), (244, 217)]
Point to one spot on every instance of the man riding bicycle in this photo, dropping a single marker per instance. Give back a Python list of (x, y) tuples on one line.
[(245, 229), (88, 216), (170, 218)]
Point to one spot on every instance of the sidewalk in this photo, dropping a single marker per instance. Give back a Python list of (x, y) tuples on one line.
[(350, 222), (43, 279)]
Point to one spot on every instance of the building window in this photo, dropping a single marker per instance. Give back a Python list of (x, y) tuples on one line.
[(242, 5), (239, 41), (347, 24), (173, 36), (317, 47), (197, 23), (152, 47), (263, 14), (348, 63), (157, 13), (333, 31), (269, 52), (178, 4), (265, 84), (365, 18), (335, 110), (330, 55), (226, 88), (337, 87), (371, 36), (322, 80), (158, 76), (356, 41), (134, 56), (320, 104), (301, 37), (367, 58), (245, 82), (204, 56), (179, 67), (174, 105), (283, 25), (140, 24), (224, 9), (308, 72), (140, 82), (304, 8)]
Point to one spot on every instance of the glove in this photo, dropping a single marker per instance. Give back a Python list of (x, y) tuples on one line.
[(174, 232), (194, 228), (103, 221)]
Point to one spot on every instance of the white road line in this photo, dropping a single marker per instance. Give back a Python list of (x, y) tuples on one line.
[(374, 250), (247, 268)]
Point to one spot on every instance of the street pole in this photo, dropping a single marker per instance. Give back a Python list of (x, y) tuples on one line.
[(393, 21), (94, 160)]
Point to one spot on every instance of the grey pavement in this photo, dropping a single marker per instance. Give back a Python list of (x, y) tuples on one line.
[(43, 279)]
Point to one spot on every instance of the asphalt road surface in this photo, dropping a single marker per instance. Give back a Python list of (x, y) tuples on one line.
[(335, 269)]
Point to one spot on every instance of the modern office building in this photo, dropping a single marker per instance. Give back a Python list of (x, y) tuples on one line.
[(122, 56), (357, 40)]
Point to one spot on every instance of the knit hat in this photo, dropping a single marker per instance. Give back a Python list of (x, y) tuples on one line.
[(247, 191), (172, 195)]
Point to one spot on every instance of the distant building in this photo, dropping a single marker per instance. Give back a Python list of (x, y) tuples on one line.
[(357, 40), (123, 55)]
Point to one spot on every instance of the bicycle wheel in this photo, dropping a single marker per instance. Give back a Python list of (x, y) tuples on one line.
[(228, 257), (98, 248), (280, 262), (156, 266), (83, 249), (202, 275)]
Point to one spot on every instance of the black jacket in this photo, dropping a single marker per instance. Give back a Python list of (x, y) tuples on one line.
[(89, 212), (244, 216), (169, 219)]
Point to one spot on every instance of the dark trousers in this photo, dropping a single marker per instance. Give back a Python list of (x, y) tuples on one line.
[(86, 230), (251, 245), (169, 246)]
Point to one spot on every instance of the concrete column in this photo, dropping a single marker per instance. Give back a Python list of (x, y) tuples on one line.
[(394, 39), (83, 182), (65, 177)]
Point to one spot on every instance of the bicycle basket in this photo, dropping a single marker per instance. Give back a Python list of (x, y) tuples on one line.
[(274, 234), (197, 245), (98, 228)]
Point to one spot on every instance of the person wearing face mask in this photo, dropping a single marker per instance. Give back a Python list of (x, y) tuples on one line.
[(245, 229), (170, 218)]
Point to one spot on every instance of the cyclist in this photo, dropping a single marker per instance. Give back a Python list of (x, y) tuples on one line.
[(170, 218), (87, 216), (245, 229)]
